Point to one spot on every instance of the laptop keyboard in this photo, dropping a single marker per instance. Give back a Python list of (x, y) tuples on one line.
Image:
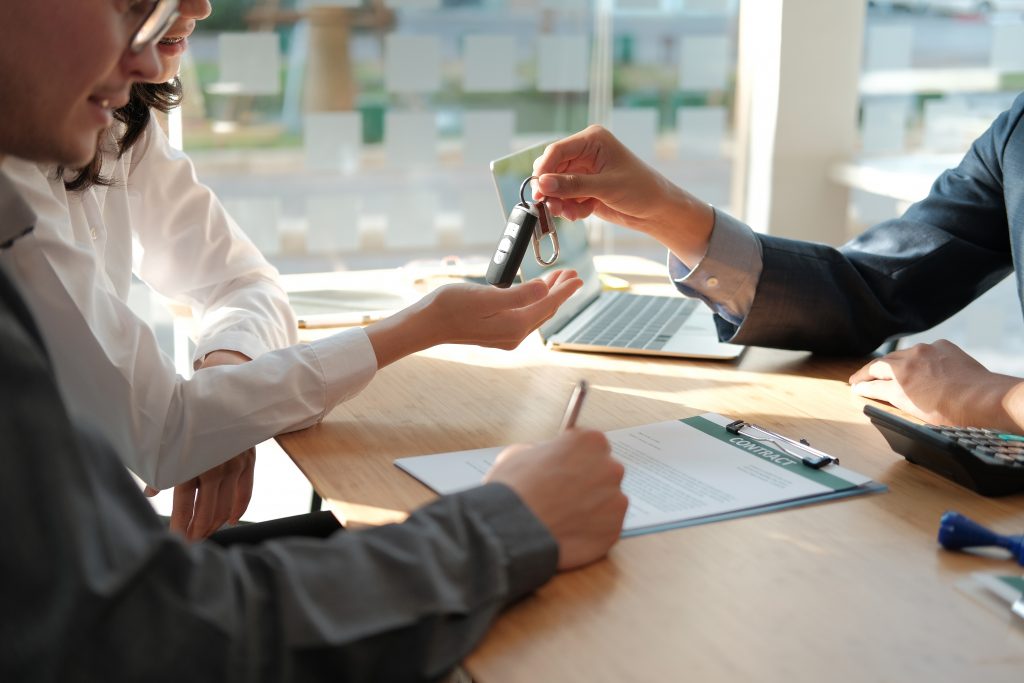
[(635, 321)]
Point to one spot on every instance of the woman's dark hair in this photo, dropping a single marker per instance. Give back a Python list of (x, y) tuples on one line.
[(135, 117)]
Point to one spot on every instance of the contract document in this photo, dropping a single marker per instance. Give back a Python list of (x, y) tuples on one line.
[(681, 472)]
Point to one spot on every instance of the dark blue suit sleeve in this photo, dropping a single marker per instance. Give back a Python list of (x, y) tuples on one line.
[(904, 275)]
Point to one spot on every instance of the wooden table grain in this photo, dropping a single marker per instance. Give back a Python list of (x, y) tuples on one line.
[(852, 590)]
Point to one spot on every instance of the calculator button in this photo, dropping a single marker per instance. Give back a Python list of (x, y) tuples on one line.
[(1003, 457)]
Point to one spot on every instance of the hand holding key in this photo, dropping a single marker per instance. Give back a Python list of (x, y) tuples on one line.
[(593, 173)]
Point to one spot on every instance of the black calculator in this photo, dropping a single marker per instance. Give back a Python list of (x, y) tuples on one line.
[(983, 460)]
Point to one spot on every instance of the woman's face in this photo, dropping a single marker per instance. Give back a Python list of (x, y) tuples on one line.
[(173, 45)]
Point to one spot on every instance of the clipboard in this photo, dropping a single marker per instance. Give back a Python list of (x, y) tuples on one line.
[(316, 308), (685, 472)]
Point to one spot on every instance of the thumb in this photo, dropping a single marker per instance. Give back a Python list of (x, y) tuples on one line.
[(572, 185)]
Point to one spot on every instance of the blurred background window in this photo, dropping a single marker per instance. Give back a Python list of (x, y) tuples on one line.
[(351, 134)]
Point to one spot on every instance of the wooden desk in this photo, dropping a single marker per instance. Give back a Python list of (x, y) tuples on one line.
[(853, 590)]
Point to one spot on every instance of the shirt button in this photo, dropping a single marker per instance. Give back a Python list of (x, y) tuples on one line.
[(712, 282), (92, 231)]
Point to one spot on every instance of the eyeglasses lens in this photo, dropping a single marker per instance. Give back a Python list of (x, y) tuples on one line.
[(155, 25)]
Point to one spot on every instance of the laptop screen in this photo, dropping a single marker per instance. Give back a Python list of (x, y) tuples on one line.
[(574, 252)]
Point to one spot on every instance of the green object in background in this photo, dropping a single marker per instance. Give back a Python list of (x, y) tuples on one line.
[(623, 49), (372, 110)]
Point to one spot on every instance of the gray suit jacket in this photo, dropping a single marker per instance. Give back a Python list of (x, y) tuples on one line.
[(904, 275)]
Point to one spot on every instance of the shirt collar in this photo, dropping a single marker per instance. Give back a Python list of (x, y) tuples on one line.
[(16, 217)]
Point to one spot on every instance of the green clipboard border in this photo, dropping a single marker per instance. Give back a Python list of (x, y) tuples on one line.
[(869, 488)]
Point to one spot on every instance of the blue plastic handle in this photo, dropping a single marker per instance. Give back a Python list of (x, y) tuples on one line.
[(957, 532)]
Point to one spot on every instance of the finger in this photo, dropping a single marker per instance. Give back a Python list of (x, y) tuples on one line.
[(880, 390), (572, 210), (216, 495), (207, 517), (555, 205), (555, 277), (149, 491), (877, 369), (565, 276), (183, 506), (556, 155), (551, 277), (583, 209), (891, 392), (243, 489), (225, 499), (575, 185), (535, 314), (512, 326)]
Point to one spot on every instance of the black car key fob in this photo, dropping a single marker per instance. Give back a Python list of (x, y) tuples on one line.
[(508, 256)]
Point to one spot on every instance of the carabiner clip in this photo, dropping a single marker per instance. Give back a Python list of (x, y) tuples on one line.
[(545, 226), (539, 232)]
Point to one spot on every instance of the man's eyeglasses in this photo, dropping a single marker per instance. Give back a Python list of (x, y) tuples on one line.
[(155, 25)]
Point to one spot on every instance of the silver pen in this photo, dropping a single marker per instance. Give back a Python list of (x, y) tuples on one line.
[(572, 411)]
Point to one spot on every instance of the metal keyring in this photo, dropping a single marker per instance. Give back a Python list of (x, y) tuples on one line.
[(522, 189), (542, 228)]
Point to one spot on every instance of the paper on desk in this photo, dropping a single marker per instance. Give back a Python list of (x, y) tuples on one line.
[(678, 473), (995, 592)]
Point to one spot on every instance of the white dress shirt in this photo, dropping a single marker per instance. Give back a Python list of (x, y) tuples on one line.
[(726, 277), (155, 219)]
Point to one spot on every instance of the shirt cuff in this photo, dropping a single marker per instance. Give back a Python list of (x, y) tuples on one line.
[(242, 342), (726, 278), (348, 363), (531, 552)]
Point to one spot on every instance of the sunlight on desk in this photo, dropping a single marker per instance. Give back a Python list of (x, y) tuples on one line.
[(802, 544), (667, 396), (355, 515)]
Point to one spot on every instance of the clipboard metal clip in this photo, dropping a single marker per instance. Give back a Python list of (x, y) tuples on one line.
[(811, 457)]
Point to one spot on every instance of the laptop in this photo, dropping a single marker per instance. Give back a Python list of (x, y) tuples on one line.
[(608, 321)]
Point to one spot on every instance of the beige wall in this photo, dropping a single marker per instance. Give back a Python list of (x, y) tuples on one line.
[(797, 95)]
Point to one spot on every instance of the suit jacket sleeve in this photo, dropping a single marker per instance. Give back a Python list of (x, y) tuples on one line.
[(899, 277)]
